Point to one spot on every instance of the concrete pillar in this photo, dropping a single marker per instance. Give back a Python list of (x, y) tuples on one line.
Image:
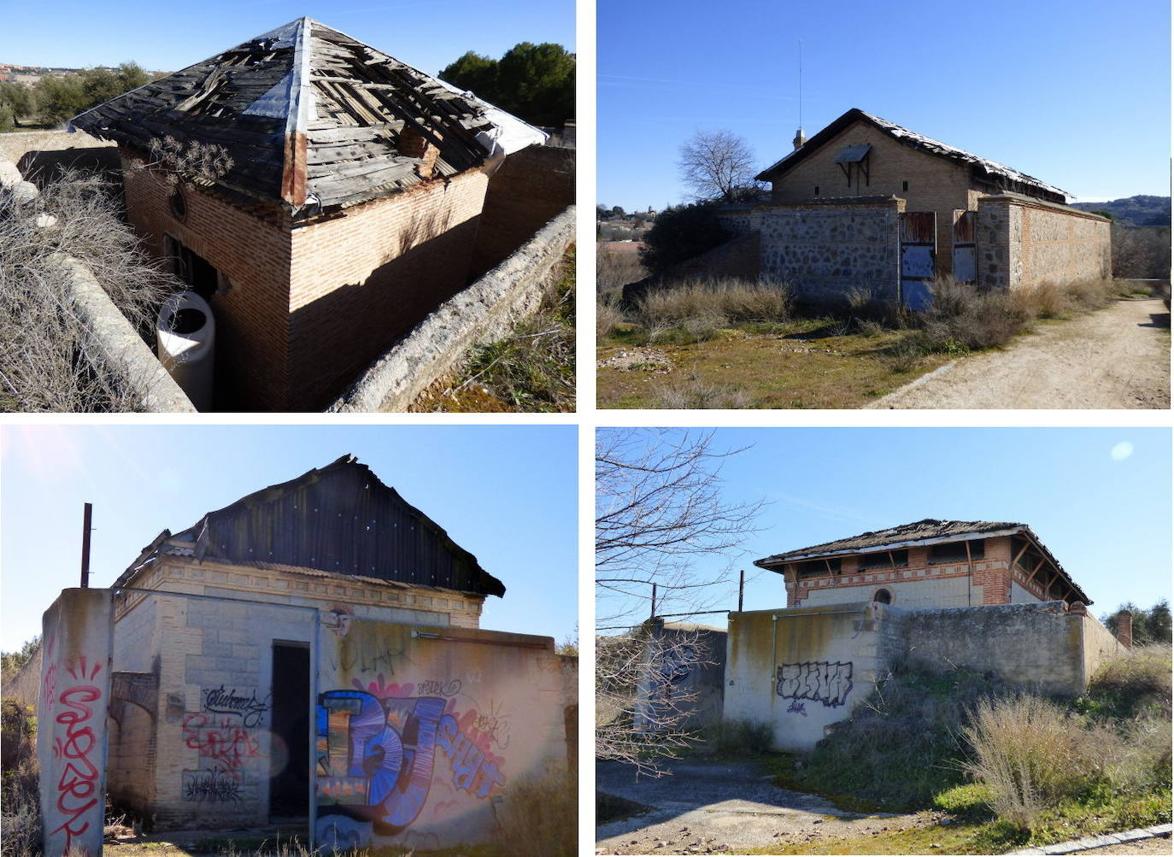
[(78, 643), (1125, 629)]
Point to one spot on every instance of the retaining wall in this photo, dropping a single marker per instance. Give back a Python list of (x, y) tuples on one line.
[(683, 678), (486, 309)]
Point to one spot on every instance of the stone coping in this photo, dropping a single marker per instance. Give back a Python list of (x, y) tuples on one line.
[(1107, 839)]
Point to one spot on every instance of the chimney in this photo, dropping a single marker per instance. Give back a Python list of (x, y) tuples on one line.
[(800, 138), (1125, 629), (413, 144)]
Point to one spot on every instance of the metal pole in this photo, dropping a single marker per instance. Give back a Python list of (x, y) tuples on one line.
[(87, 517), (741, 587), (652, 615)]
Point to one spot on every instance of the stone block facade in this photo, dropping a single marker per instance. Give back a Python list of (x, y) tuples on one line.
[(1024, 243), (825, 250)]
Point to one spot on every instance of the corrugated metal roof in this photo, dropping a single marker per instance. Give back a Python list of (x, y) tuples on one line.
[(309, 114), (1000, 175), (926, 531), (339, 519)]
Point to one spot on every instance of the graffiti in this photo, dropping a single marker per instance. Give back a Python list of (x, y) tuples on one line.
[(212, 786), (676, 662), (77, 788), (797, 707), (433, 687), (818, 681), (364, 662), (223, 742), (339, 620), (376, 753), (222, 700)]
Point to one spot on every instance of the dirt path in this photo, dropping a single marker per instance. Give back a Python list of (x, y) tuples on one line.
[(707, 807), (1118, 357)]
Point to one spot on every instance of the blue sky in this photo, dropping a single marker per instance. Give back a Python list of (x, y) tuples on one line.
[(507, 494), (1074, 92), (428, 34), (1106, 516)]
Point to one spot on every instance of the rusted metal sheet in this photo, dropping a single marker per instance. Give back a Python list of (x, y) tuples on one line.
[(965, 254), (918, 235), (341, 519)]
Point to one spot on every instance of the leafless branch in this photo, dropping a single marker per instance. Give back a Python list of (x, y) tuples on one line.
[(717, 165)]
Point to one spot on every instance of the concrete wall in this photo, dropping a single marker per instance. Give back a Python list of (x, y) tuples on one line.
[(527, 191), (824, 250), (360, 280), (71, 717), (803, 669), (1098, 645), (456, 717), (934, 183), (1023, 243), (683, 679)]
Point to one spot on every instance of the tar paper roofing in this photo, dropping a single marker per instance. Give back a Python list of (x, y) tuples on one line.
[(925, 532), (312, 117), (1002, 176), (339, 520)]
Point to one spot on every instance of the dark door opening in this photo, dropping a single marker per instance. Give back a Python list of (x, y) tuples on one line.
[(200, 274), (289, 788)]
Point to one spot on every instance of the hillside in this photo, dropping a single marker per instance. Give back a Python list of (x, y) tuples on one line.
[(1133, 210)]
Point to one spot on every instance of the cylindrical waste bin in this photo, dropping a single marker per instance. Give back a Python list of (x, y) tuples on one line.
[(186, 333)]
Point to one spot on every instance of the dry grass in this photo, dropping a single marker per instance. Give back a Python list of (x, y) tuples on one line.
[(695, 394), (539, 817), (48, 361), (617, 264), (20, 826), (712, 304), (608, 316)]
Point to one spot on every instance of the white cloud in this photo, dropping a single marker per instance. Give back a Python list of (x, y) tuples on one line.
[(1121, 451)]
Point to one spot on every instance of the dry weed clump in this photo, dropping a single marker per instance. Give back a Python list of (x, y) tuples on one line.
[(708, 305), (20, 819), (48, 361), (539, 816), (695, 394), (608, 317)]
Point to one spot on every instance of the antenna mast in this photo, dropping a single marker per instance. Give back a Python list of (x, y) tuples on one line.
[(800, 83)]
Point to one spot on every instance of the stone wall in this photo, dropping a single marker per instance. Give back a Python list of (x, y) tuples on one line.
[(824, 250), (529, 188), (71, 718), (1023, 243)]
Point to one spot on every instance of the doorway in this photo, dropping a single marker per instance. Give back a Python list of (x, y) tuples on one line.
[(200, 274), (289, 786)]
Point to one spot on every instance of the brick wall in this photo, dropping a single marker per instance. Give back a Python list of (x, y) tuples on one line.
[(252, 317), (934, 183), (1024, 243), (361, 279), (529, 188)]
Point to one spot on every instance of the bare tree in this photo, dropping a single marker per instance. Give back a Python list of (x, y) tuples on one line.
[(717, 165), (659, 508)]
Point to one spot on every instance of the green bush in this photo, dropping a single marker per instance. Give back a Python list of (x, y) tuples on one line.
[(1131, 683), (681, 232)]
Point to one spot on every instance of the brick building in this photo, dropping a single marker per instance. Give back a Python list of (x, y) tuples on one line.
[(350, 210), (927, 564), (313, 652)]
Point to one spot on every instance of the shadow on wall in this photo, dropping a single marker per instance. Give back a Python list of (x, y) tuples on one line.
[(338, 335), (42, 166)]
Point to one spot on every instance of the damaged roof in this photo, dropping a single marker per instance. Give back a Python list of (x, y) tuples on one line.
[(313, 118), (985, 172), (339, 519), (925, 532)]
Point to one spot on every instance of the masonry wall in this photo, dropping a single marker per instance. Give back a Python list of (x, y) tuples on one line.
[(365, 277), (253, 253), (24, 685), (529, 188), (920, 584), (684, 678), (71, 720), (803, 670), (1098, 645), (451, 718), (825, 250), (1024, 243), (934, 183), (131, 766)]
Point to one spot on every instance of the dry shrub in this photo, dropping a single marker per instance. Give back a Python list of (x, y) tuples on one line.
[(695, 394), (607, 317), (20, 821), (48, 361), (964, 317), (1032, 755), (615, 267), (539, 816), (1134, 682), (1043, 301), (719, 302)]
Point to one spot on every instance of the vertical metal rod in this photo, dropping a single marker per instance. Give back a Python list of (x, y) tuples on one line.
[(741, 587), (87, 518), (652, 615)]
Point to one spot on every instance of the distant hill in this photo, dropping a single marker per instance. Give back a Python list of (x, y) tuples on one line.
[(1133, 210)]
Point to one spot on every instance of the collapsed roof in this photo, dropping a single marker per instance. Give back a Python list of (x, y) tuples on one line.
[(929, 531), (339, 519), (987, 173), (313, 118)]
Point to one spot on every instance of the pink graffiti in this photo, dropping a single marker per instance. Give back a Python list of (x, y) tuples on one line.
[(481, 732), (77, 788), (226, 743), (379, 690)]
